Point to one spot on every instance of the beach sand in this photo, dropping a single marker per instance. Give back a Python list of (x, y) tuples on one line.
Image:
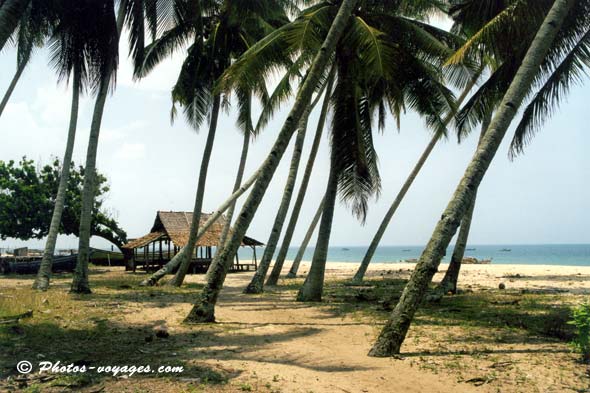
[(575, 279), (270, 343)]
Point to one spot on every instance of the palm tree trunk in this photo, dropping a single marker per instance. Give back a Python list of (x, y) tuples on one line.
[(279, 262), (19, 71), (44, 274), (257, 282), (204, 308), (395, 330), (238, 182), (174, 262), (449, 281), (360, 273), (312, 288), (297, 261), (192, 240), (80, 279)]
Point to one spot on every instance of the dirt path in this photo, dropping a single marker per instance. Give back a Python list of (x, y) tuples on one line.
[(299, 347)]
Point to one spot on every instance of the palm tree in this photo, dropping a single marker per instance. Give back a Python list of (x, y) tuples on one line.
[(360, 273), (280, 260), (204, 308), (257, 282), (104, 16), (76, 51), (362, 89), (394, 332), (219, 31), (568, 71), (314, 222), (134, 12), (374, 53)]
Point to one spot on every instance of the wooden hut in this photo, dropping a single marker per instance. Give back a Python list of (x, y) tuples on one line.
[(170, 233)]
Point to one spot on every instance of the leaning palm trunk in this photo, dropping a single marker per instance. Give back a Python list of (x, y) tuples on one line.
[(80, 280), (297, 261), (394, 332), (187, 255), (312, 288), (204, 309), (449, 281), (257, 282), (238, 182), (44, 274), (174, 262), (360, 273), (19, 71), (279, 262)]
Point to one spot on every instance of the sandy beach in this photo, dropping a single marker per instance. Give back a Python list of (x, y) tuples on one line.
[(574, 279), (270, 343)]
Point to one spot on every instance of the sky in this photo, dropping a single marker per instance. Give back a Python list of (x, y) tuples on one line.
[(151, 164)]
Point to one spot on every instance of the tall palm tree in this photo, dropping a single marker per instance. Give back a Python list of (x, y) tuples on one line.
[(257, 283), (204, 308), (222, 31), (362, 89), (379, 59), (574, 39), (133, 12), (76, 51), (360, 273), (104, 16), (280, 260), (394, 332)]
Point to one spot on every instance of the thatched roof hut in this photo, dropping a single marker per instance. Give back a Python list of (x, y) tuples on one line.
[(176, 227), (173, 229)]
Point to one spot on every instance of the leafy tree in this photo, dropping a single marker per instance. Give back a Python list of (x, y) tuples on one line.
[(27, 197)]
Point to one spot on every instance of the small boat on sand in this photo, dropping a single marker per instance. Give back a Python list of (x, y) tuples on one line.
[(31, 265)]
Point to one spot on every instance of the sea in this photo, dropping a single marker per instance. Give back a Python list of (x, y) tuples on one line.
[(522, 254)]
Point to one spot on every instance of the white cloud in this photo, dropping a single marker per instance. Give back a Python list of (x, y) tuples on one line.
[(131, 151), (109, 135)]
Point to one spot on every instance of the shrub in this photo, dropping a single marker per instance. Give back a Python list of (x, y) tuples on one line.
[(581, 320)]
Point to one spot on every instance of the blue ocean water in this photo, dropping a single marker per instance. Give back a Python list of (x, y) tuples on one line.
[(542, 254)]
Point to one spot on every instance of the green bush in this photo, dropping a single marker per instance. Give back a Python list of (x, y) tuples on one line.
[(581, 320)]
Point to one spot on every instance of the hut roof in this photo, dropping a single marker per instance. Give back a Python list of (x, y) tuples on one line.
[(176, 226)]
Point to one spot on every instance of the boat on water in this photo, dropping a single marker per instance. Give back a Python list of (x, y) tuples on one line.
[(506, 250), (345, 249), (407, 250), (470, 249), (15, 265)]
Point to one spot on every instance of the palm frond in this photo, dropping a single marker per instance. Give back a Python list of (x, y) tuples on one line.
[(547, 99)]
